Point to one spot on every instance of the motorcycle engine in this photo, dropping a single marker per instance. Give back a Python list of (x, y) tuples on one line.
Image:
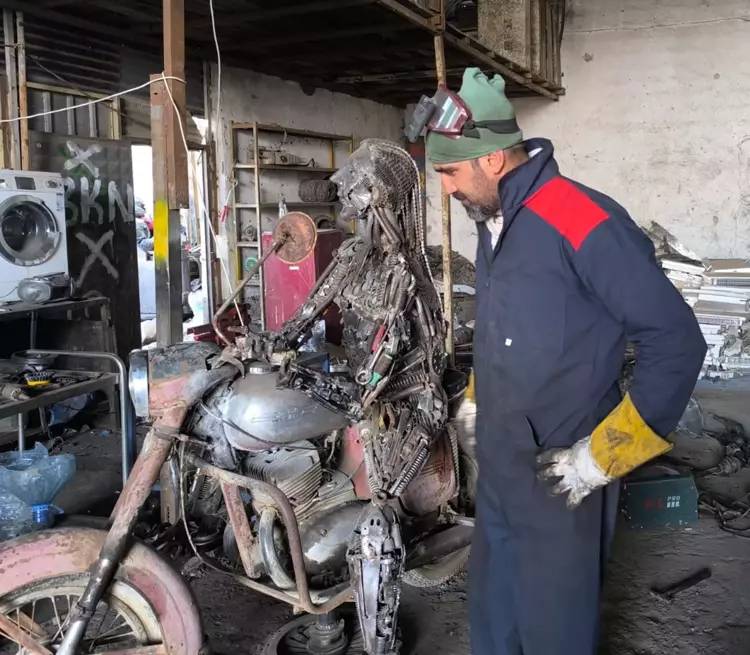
[(295, 469)]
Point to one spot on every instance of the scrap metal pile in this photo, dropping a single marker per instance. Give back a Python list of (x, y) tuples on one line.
[(718, 290)]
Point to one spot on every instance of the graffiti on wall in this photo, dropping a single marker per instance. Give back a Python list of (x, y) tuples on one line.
[(100, 219)]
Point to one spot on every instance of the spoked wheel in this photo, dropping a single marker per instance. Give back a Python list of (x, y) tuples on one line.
[(146, 610), (297, 637), (123, 619)]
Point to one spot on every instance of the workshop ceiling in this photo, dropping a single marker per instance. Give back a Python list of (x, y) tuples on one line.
[(377, 49)]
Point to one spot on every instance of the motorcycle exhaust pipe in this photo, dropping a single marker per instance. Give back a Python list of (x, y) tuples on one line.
[(439, 545), (269, 555)]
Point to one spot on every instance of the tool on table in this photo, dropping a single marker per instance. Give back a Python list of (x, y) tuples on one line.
[(670, 591)]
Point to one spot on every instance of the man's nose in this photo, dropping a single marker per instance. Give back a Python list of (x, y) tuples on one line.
[(448, 186)]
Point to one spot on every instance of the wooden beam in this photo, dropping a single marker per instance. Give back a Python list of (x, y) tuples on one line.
[(11, 75), (429, 74), (330, 34), (442, 78), (303, 9), (170, 175), (174, 66), (23, 91), (411, 15)]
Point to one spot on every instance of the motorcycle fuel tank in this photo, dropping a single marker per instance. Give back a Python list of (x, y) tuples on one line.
[(257, 415)]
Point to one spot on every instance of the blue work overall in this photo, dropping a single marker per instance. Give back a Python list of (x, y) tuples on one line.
[(571, 279)]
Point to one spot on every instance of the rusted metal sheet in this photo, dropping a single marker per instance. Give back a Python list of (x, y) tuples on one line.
[(353, 463), (100, 219)]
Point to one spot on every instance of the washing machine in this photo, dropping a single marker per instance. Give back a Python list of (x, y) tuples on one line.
[(32, 229)]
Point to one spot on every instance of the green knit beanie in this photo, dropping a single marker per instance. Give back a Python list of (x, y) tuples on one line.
[(487, 102)]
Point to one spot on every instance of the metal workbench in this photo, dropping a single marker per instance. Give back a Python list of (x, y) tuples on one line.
[(89, 381)]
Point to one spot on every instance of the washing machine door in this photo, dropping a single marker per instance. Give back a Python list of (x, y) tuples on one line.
[(29, 233)]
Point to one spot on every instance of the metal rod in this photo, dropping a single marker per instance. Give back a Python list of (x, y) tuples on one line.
[(127, 429), (32, 329), (21, 434), (241, 526), (21, 637), (250, 275)]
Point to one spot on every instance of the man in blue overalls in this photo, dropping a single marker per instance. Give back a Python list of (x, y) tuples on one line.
[(564, 279)]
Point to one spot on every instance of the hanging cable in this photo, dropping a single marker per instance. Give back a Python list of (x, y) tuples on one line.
[(92, 102), (218, 63)]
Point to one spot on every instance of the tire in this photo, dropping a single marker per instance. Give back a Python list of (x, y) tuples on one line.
[(148, 598), (440, 572)]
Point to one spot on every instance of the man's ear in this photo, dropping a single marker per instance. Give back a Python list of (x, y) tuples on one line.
[(495, 162)]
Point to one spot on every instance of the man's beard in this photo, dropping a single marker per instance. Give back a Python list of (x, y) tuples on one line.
[(478, 213)]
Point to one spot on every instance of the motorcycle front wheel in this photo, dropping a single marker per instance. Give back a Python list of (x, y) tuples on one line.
[(148, 608), (123, 619)]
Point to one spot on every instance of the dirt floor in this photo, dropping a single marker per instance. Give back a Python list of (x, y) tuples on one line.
[(711, 618)]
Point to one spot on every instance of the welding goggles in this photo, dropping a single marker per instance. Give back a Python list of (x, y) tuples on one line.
[(446, 113)]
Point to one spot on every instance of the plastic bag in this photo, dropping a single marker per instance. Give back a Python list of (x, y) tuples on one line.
[(34, 476), (15, 517), (692, 418)]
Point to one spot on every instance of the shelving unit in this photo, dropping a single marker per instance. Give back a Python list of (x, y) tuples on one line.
[(252, 202)]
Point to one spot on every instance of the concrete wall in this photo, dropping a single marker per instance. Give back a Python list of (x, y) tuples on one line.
[(248, 96), (657, 114)]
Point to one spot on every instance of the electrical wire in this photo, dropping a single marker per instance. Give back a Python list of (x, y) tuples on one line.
[(218, 62), (112, 96), (727, 516), (200, 194)]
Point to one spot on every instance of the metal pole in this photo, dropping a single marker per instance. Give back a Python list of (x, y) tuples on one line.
[(446, 204), (127, 429), (21, 435)]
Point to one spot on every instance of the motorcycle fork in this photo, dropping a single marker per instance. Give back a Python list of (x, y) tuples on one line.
[(145, 473)]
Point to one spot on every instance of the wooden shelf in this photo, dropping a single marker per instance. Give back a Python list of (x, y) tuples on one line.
[(291, 131), (281, 167), (258, 171), (271, 205)]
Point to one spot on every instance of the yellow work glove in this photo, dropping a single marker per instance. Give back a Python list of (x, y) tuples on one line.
[(620, 443)]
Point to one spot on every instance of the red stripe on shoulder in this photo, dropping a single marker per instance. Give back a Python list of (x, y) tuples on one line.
[(568, 209)]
